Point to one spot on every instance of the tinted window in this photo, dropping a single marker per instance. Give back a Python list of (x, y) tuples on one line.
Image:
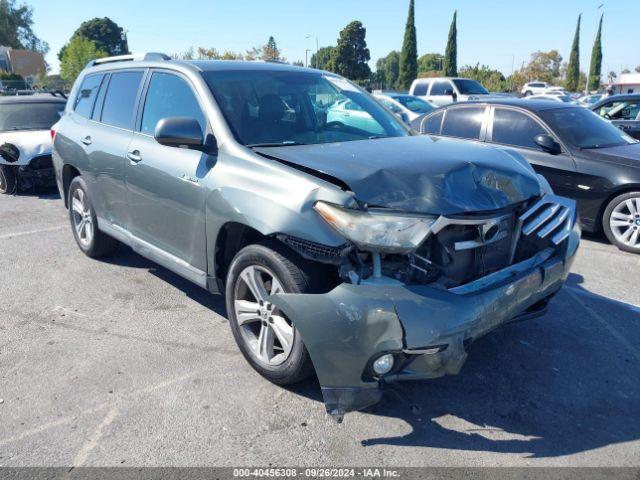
[(169, 96), (470, 87), (432, 124), (120, 100), (515, 128), (415, 104), (584, 129), (620, 110), (421, 88), (463, 122), (440, 87), (87, 95)]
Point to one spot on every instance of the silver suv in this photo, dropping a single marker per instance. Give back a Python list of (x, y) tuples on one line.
[(345, 245)]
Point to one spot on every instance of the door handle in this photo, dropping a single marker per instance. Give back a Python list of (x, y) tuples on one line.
[(134, 156), (87, 140)]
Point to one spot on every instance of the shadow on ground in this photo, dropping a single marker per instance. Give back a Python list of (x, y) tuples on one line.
[(553, 386)]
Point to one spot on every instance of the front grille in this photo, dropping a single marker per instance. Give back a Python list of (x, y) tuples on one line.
[(41, 162), (551, 217)]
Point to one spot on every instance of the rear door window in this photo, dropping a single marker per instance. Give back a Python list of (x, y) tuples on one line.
[(169, 95), (86, 98), (440, 87), (463, 122), (421, 88), (515, 128), (120, 99)]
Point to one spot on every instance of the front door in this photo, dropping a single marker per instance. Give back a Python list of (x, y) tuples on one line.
[(517, 130), (166, 185)]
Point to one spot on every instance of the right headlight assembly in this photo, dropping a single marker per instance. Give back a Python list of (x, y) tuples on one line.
[(377, 230)]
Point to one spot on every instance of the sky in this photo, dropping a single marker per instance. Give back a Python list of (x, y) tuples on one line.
[(498, 33)]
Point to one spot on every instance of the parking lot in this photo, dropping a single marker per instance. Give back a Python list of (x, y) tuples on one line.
[(120, 362)]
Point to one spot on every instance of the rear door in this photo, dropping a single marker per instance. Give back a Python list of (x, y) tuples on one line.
[(165, 185), (517, 129), (108, 139), (468, 122), (441, 92)]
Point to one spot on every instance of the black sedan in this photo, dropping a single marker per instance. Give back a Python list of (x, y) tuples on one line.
[(582, 155), (622, 110)]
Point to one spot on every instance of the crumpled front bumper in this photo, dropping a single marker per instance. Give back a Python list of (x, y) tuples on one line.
[(345, 329)]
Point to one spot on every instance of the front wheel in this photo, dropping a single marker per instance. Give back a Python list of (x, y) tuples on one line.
[(8, 180), (621, 222), (266, 337)]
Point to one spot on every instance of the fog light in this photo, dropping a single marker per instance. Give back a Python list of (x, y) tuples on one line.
[(383, 364)]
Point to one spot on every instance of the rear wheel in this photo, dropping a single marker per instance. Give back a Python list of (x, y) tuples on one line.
[(84, 223), (8, 179), (266, 337), (621, 222)]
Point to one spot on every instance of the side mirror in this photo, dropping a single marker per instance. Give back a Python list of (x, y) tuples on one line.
[(179, 132), (548, 144)]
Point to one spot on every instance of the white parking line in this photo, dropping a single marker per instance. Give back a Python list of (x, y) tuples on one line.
[(31, 232), (91, 443), (621, 338)]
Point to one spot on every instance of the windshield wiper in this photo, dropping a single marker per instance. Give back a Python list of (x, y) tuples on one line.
[(287, 143), (375, 137)]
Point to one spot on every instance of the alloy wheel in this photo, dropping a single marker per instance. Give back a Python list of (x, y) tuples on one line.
[(268, 333), (625, 222), (82, 219)]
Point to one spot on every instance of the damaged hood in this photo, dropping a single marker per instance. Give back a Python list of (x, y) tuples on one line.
[(30, 143), (420, 174)]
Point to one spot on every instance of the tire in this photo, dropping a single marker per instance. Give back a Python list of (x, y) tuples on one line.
[(8, 180), (621, 222), (528, 93), (261, 262), (84, 223)]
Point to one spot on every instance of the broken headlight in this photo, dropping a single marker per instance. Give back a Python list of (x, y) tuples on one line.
[(377, 230)]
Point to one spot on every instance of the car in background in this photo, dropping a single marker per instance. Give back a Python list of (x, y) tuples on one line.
[(558, 96), (583, 156), (622, 110), (534, 88), (25, 140), (407, 107), (588, 100), (445, 90), (350, 113)]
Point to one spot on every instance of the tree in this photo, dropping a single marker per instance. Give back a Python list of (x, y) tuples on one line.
[(76, 56), (544, 67), (637, 69), (321, 58), (108, 36), (350, 56), (388, 69), (16, 27), (626, 70), (298, 63), (253, 54), (492, 80), (451, 52), (596, 59), (430, 62), (408, 68), (270, 51), (573, 69), (612, 76)]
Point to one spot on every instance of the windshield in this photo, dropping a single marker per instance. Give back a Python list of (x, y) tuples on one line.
[(291, 108), (584, 129), (414, 104), (29, 116), (470, 87)]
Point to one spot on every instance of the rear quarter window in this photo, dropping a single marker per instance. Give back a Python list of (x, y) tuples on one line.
[(432, 124), (84, 101)]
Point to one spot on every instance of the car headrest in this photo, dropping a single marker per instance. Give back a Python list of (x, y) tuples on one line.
[(271, 108)]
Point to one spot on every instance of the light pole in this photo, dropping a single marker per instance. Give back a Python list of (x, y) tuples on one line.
[(513, 61), (317, 50), (306, 57), (586, 87)]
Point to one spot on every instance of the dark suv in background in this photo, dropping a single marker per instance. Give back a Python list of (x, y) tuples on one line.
[(351, 248)]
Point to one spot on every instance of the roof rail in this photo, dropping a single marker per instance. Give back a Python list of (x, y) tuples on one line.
[(148, 57)]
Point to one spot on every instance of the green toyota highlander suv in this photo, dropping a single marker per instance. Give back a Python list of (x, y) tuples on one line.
[(351, 249)]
